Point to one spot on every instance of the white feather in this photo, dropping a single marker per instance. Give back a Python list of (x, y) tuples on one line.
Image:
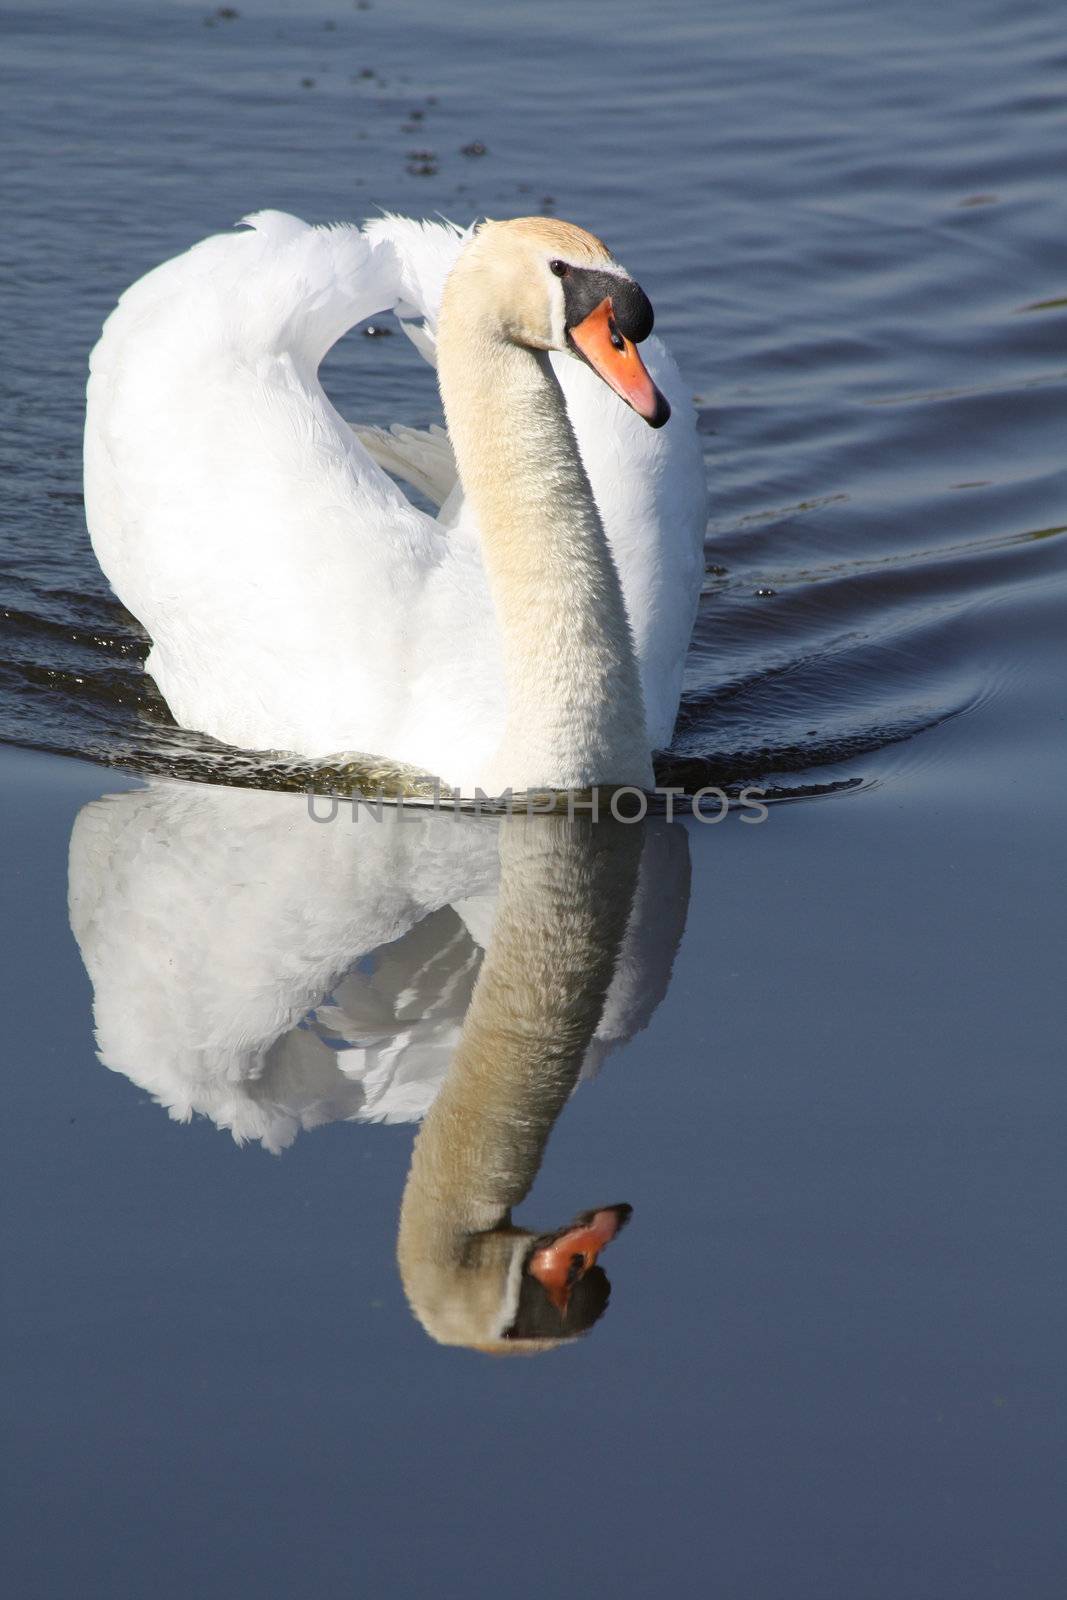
[(423, 457)]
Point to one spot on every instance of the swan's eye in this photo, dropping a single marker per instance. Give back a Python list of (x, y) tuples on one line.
[(615, 336), (560, 268)]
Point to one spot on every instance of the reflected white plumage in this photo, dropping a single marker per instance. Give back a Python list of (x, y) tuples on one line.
[(297, 600), (274, 973)]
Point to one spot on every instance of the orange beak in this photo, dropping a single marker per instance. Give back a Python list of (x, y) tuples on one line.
[(616, 360), (567, 1256)]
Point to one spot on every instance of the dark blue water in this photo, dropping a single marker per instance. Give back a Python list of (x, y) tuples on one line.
[(831, 1365)]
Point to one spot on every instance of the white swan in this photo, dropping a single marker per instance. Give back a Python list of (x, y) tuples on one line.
[(533, 635), (275, 974)]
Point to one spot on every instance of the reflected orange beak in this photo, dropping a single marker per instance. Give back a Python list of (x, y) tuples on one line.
[(567, 1256), (616, 360)]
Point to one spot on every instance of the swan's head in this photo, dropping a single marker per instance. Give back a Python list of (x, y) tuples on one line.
[(550, 285), (510, 1291)]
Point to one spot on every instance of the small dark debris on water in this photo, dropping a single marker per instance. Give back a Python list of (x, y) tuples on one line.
[(764, 593), (227, 13), (422, 169), (364, 72), (547, 202), (475, 148), (363, 5), (416, 116), (307, 83), (376, 330)]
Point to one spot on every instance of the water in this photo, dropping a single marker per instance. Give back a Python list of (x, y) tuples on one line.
[(831, 1364)]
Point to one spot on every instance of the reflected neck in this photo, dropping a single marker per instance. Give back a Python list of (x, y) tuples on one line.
[(565, 895)]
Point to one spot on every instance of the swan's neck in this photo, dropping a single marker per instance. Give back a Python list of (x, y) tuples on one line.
[(565, 893), (576, 715), (566, 890)]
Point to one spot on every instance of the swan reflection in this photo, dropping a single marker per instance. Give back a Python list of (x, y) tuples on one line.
[(274, 974)]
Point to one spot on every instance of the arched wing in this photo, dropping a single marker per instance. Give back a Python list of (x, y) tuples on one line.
[(296, 598)]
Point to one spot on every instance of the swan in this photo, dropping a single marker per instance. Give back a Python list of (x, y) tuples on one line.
[(533, 633), (273, 974)]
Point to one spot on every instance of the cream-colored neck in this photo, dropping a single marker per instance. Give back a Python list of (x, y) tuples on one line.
[(566, 889), (576, 714)]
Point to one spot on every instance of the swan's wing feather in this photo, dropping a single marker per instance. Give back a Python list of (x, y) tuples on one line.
[(653, 934), (237, 307), (296, 598), (226, 936), (424, 254), (424, 341), (422, 457)]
